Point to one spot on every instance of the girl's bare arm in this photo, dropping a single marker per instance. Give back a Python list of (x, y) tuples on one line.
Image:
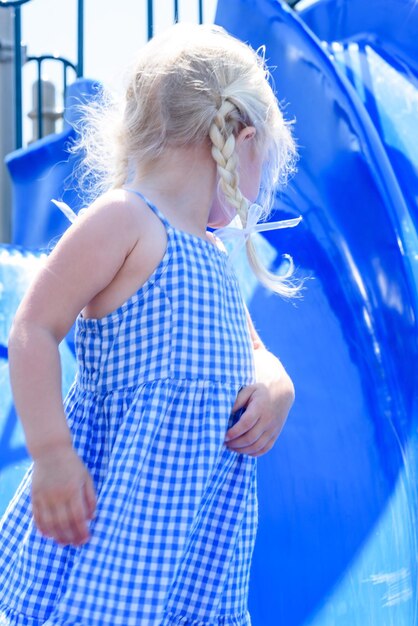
[(84, 261)]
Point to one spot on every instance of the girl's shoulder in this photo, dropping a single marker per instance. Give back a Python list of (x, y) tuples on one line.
[(97, 262), (117, 217), (116, 205)]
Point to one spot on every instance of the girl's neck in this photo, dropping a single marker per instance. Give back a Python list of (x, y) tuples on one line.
[(182, 184)]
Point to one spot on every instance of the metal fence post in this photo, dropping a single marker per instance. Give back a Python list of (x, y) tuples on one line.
[(80, 38), (150, 18)]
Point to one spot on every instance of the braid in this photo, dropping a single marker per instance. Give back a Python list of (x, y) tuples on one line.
[(223, 151), (221, 133)]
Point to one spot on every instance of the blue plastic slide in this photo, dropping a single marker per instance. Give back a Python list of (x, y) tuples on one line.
[(337, 537), (45, 170), (377, 49), (338, 509)]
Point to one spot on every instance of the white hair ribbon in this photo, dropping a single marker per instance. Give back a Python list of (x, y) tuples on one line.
[(239, 236), (67, 210)]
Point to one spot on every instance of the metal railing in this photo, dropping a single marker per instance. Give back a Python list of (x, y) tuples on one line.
[(19, 61), (39, 108)]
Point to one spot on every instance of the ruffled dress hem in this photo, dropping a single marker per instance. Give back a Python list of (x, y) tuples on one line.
[(9, 617)]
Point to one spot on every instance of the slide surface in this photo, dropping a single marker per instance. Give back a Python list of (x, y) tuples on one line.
[(376, 47), (338, 507)]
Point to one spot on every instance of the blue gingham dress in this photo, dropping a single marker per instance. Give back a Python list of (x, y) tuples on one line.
[(151, 402)]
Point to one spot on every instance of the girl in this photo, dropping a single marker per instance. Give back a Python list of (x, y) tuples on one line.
[(140, 506)]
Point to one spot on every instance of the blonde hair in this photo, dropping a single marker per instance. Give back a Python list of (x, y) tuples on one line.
[(188, 85)]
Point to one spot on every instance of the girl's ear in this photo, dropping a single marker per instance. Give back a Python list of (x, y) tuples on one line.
[(248, 132)]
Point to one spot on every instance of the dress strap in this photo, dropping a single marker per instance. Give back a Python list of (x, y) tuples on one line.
[(151, 206)]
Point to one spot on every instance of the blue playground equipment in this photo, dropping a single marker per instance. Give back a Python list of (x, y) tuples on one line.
[(45, 170), (337, 538)]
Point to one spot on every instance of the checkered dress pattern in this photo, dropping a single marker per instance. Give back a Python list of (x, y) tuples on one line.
[(148, 410)]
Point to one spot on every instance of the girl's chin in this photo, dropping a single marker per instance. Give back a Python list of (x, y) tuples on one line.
[(220, 223), (220, 217)]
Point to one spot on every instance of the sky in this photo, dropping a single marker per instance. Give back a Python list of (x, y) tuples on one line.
[(114, 30)]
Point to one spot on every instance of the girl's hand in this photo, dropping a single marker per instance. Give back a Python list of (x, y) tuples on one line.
[(266, 410), (266, 403), (63, 496)]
